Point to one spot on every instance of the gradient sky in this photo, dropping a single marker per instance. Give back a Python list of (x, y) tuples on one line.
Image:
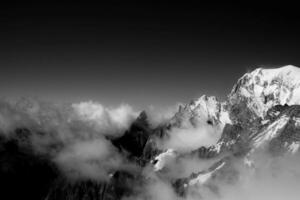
[(141, 54)]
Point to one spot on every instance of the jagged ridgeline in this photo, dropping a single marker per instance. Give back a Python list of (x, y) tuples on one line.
[(261, 114)]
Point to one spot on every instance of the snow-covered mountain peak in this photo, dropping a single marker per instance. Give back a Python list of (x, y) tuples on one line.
[(263, 88), (208, 105), (206, 109), (288, 74)]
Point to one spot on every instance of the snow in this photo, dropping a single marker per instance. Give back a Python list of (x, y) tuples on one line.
[(297, 121), (205, 112), (220, 166), (244, 92), (293, 148), (204, 177), (263, 122), (258, 89), (281, 83), (224, 115), (207, 108), (271, 131), (288, 72), (163, 159), (218, 146), (248, 162), (230, 142), (205, 105), (270, 89), (276, 113)]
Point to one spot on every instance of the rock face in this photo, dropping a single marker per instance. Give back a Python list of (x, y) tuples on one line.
[(262, 112), (134, 140)]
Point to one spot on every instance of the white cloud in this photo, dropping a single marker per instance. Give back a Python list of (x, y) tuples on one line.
[(74, 136), (89, 159), (105, 120), (190, 138)]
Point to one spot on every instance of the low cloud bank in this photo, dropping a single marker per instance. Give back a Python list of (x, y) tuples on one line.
[(89, 159), (105, 120), (191, 137), (73, 136), (271, 178)]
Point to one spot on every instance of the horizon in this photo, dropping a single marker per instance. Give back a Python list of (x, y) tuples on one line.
[(149, 101), (172, 105), (140, 54)]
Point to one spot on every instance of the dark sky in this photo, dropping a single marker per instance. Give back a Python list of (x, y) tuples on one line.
[(141, 54)]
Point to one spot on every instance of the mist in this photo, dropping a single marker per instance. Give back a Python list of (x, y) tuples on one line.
[(272, 178), (74, 136), (160, 115), (188, 138)]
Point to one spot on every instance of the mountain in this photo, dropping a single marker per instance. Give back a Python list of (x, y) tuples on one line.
[(261, 114), (278, 134), (203, 110), (264, 88)]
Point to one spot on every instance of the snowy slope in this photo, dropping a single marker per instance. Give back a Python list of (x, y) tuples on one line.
[(277, 129), (264, 88), (204, 110)]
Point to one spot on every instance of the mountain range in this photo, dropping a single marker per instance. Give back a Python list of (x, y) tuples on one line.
[(204, 144)]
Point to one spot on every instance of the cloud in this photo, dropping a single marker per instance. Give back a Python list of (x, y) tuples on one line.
[(105, 120), (273, 178), (160, 190), (190, 138), (73, 136), (89, 159), (154, 188), (184, 166), (160, 115)]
